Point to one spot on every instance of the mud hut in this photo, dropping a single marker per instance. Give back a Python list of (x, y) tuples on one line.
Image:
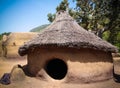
[(66, 52), (12, 42)]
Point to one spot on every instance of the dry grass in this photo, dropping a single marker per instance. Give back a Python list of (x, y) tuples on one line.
[(18, 39), (29, 82), (15, 40), (7, 65)]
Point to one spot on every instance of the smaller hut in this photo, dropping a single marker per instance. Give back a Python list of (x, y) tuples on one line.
[(11, 43), (66, 52)]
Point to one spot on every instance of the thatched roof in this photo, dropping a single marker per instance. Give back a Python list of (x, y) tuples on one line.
[(65, 32)]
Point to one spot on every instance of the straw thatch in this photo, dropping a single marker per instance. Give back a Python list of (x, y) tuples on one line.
[(65, 32)]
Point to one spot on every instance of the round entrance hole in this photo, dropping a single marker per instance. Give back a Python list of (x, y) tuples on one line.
[(56, 68)]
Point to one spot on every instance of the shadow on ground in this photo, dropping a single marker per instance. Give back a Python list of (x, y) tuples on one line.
[(116, 78)]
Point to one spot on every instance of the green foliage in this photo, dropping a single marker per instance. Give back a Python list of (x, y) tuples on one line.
[(64, 5), (118, 46), (38, 29), (116, 36), (106, 35), (118, 41), (98, 15), (51, 17)]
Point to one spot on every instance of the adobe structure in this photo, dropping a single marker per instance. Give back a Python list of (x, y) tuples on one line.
[(12, 42), (66, 52)]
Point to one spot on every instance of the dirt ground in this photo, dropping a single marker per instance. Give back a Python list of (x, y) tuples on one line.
[(31, 82)]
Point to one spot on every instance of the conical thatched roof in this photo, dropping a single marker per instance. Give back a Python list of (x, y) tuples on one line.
[(65, 32)]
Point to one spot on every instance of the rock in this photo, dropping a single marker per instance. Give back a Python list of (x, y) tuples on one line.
[(5, 79), (17, 74)]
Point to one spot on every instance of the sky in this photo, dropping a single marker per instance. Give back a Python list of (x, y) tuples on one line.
[(24, 15)]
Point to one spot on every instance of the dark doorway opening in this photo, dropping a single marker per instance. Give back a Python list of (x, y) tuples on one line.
[(56, 68)]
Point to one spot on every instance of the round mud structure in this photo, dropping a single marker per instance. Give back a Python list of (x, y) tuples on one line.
[(56, 68)]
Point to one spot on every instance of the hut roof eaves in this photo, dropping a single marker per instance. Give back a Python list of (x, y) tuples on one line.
[(65, 32)]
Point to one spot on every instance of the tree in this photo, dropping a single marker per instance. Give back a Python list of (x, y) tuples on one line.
[(64, 5), (51, 17), (96, 15), (100, 16), (114, 24)]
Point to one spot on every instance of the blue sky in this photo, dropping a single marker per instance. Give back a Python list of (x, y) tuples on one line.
[(24, 15)]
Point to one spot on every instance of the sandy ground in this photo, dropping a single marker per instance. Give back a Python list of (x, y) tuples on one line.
[(7, 65), (31, 82)]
